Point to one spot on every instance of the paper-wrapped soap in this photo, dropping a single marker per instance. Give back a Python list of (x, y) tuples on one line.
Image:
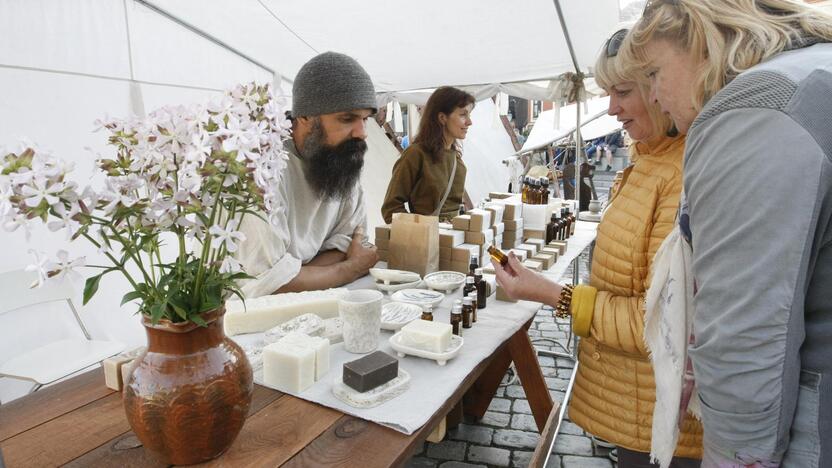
[(371, 371)]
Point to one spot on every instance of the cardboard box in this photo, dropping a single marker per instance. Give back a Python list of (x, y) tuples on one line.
[(498, 229), (534, 234), (480, 220), (382, 232), (463, 252), (547, 259), (461, 222), (513, 224), (445, 253), (451, 238), (383, 244), (479, 237), (533, 265), (382, 254), (513, 211)]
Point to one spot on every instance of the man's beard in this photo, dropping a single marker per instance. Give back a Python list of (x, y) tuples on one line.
[(332, 171)]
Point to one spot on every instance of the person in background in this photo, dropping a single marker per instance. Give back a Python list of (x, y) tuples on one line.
[(612, 142), (430, 176), (750, 82), (322, 245), (405, 141), (614, 390)]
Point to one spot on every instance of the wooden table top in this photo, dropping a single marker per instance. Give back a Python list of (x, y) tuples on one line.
[(81, 422)]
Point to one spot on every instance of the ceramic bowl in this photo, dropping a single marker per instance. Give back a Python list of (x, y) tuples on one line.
[(395, 315), (397, 286), (445, 280), (420, 297), (389, 276)]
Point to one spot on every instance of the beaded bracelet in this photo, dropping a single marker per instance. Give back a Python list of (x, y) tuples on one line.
[(565, 300)]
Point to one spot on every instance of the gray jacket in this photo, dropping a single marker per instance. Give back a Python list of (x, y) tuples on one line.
[(758, 179)]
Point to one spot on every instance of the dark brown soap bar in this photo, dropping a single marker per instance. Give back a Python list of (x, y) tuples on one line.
[(371, 371)]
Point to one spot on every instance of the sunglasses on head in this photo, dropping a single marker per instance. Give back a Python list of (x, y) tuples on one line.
[(615, 41), (654, 3)]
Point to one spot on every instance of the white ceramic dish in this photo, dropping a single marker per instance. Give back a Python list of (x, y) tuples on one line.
[(421, 297), (440, 358), (309, 324), (396, 286), (374, 397), (446, 281), (395, 315), (589, 216), (399, 276)]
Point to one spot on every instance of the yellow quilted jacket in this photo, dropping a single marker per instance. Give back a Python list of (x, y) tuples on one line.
[(614, 390)]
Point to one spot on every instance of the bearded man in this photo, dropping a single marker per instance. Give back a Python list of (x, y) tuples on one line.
[(320, 243)]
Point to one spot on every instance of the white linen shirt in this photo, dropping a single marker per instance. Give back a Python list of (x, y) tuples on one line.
[(307, 226)]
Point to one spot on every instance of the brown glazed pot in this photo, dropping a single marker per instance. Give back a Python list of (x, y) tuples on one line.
[(189, 394)]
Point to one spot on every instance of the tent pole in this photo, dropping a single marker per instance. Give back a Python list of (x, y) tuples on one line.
[(566, 36), (203, 34)]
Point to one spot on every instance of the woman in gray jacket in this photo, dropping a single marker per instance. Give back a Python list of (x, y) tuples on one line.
[(758, 180)]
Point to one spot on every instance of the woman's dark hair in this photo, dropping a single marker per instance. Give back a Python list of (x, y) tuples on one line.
[(431, 134)]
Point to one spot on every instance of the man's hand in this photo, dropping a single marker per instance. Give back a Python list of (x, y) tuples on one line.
[(361, 255), (521, 283)]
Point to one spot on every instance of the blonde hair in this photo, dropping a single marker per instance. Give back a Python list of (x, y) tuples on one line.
[(612, 71), (727, 36)]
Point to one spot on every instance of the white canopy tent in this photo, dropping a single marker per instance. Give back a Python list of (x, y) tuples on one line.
[(596, 124), (64, 64)]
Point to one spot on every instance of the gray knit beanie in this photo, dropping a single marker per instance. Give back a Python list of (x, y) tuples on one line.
[(332, 82)]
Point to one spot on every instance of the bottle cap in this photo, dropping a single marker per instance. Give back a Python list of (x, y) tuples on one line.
[(466, 300), (469, 279), (457, 309)]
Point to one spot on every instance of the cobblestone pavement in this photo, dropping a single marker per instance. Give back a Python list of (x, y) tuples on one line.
[(507, 435)]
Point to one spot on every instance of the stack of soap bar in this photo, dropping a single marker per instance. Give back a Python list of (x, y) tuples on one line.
[(371, 371), (295, 362), (533, 265), (461, 222), (480, 220), (539, 243), (265, 312), (546, 259), (551, 251), (530, 250), (428, 336), (451, 238), (560, 245)]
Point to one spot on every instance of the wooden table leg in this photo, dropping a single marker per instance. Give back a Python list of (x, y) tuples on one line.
[(481, 393), (531, 377), (454, 417)]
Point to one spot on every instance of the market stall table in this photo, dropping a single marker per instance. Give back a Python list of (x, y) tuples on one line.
[(80, 422)]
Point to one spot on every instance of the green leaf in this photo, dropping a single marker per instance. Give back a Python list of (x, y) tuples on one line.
[(91, 286), (156, 312), (131, 296), (197, 319)]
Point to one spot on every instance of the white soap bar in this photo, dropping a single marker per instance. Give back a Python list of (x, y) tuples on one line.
[(320, 345), (498, 229), (265, 312), (445, 226), (428, 336), (499, 211), (534, 216), (451, 237), (288, 367)]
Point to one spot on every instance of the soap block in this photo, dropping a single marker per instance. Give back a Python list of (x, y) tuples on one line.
[(533, 265), (560, 245), (447, 226), (551, 251), (498, 229), (262, 313), (509, 244), (530, 248), (512, 236), (479, 237), (463, 252), (497, 212), (113, 371), (513, 224), (513, 211), (318, 344), (480, 220), (534, 234), (445, 253), (502, 296), (520, 253), (451, 238), (540, 243), (461, 267), (461, 222), (333, 330), (288, 367), (546, 259), (383, 244), (383, 254), (498, 240), (371, 371), (444, 264), (534, 216), (382, 232), (428, 336)]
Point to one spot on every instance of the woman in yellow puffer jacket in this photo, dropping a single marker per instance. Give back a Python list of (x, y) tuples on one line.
[(615, 391)]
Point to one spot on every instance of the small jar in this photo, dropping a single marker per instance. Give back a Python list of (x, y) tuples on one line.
[(427, 313), (467, 312), (456, 320)]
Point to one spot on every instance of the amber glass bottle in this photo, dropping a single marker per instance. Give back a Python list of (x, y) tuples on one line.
[(467, 312), (474, 302), (481, 287), (427, 313), (456, 320), (497, 255)]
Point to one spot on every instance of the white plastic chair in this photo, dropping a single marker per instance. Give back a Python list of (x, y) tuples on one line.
[(36, 348)]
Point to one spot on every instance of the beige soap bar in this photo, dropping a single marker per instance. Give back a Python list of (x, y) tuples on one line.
[(480, 220), (461, 222), (531, 249), (560, 245), (539, 243), (112, 371), (320, 345), (451, 238), (383, 244), (288, 367), (500, 195), (463, 252), (446, 253), (479, 237), (514, 224), (513, 211), (265, 312), (382, 254), (498, 229), (533, 265), (497, 211), (534, 234), (546, 259), (551, 251)]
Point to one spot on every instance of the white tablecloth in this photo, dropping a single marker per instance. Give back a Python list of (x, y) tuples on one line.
[(432, 385)]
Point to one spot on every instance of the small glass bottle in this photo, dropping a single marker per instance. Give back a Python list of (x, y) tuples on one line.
[(456, 320), (558, 227), (534, 192), (550, 229), (467, 312), (470, 285), (524, 192), (497, 255), (473, 296), (541, 191), (565, 229), (427, 313), (572, 219), (546, 190), (461, 209), (475, 263), (481, 287)]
